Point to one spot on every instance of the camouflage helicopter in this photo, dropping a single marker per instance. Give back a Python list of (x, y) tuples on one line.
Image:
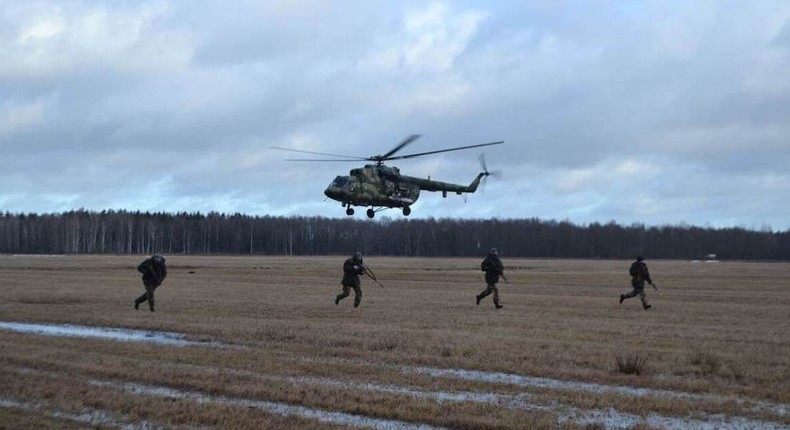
[(383, 187)]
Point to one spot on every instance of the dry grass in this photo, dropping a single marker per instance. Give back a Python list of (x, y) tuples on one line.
[(631, 364), (714, 329)]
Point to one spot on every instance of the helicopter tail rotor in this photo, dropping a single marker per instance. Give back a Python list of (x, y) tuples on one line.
[(486, 173)]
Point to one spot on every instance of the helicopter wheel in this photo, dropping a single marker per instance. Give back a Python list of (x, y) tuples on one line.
[(350, 211), (371, 213), (406, 211)]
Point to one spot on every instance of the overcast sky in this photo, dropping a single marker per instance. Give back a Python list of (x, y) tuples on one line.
[(656, 112)]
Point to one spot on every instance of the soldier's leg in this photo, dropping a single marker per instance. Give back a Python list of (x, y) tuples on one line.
[(643, 298), (496, 297), (481, 295), (357, 295), (140, 299), (633, 293), (343, 295), (149, 290)]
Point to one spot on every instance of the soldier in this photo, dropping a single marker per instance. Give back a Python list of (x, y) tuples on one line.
[(352, 268), (639, 274), (154, 272), (494, 269)]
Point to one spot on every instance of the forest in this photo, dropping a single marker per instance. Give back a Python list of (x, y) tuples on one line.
[(127, 232)]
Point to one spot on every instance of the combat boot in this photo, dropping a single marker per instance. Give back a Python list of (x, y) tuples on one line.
[(498, 306), (136, 305), (151, 304), (478, 299), (337, 300), (646, 307), (622, 297)]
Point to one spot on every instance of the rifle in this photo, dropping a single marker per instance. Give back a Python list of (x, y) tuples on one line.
[(372, 275)]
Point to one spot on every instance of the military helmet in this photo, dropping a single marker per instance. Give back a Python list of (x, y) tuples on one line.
[(639, 258), (158, 258), (493, 251), (357, 256)]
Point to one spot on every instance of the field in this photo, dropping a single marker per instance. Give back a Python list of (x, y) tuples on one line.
[(257, 342)]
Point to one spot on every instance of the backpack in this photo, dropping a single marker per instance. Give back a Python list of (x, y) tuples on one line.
[(634, 269)]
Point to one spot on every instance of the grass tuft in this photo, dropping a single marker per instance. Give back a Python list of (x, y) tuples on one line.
[(631, 364)]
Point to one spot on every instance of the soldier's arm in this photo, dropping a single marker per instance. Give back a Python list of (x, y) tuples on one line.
[(647, 276)]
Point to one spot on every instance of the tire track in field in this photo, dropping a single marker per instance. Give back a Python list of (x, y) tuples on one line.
[(330, 417), (777, 409), (93, 417), (108, 333), (610, 417)]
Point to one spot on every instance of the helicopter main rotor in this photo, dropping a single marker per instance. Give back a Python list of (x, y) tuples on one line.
[(380, 159)]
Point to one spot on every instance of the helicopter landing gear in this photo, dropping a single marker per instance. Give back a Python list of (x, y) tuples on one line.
[(406, 211), (371, 213), (350, 211)]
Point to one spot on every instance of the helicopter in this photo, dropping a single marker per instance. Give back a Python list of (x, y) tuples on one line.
[(383, 187)]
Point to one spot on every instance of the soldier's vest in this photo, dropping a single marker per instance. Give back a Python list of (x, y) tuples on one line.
[(634, 269)]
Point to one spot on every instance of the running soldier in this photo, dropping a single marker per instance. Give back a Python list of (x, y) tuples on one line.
[(639, 274), (494, 269), (352, 268), (154, 272)]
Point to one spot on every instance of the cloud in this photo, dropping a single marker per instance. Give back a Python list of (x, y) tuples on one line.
[(20, 116), (655, 112), (54, 39)]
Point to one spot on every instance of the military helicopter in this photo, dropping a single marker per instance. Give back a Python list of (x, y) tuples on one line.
[(383, 187)]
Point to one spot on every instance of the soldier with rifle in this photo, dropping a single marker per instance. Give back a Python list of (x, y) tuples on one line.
[(493, 268), (154, 272), (352, 268), (639, 274)]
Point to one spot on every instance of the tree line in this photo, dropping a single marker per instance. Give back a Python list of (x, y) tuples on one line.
[(127, 232)]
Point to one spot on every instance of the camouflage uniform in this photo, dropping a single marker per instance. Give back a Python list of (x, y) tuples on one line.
[(154, 272), (352, 268), (493, 267), (639, 274)]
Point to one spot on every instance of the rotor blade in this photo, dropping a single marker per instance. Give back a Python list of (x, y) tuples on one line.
[(445, 150), (319, 153), (400, 146), (482, 159), (324, 159)]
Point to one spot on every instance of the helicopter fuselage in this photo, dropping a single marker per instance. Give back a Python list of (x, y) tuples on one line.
[(384, 186)]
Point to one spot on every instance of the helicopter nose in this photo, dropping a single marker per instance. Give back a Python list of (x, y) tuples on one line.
[(332, 192)]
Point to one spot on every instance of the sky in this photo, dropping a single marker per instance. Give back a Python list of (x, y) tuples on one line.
[(653, 112)]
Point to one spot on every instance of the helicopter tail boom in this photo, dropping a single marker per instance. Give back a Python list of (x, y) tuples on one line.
[(445, 187), (476, 182)]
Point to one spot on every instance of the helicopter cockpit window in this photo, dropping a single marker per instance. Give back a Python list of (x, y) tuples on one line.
[(340, 181)]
